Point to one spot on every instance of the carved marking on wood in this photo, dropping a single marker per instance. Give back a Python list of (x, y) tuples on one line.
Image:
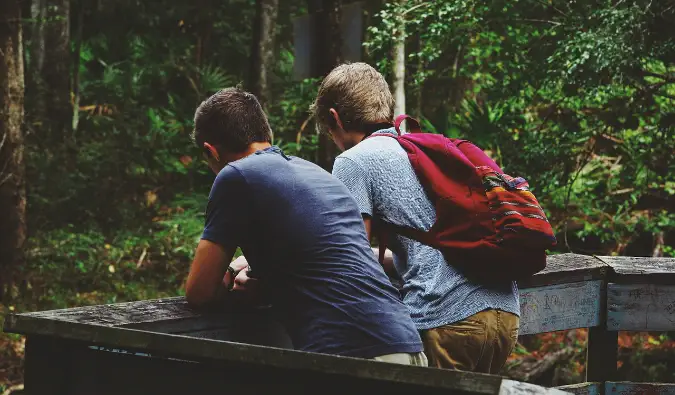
[(558, 307), (627, 265), (639, 389), (638, 307), (582, 389), (510, 387)]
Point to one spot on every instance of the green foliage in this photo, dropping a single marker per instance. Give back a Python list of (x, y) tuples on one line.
[(69, 267), (576, 97)]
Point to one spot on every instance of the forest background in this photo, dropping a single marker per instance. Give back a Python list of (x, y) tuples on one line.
[(102, 193)]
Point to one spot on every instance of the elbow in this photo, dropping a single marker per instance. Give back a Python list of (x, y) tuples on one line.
[(195, 298)]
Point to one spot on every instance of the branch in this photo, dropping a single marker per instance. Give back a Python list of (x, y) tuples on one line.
[(414, 8), (4, 167), (4, 180), (588, 155), (302, 128), (659, 242), (554, 23), (666, 77), (531, 368), (552, 6), (12, 389), (2, 143), (666, 95)]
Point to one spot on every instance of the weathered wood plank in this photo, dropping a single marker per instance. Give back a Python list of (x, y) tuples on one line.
[(601, 354), (583, 388), (124, 313), (627, 388), (629, 269), (170, 315), (641, 307), (134, 375), (603, 347), (559, 307), (510, 387), (567, 268), (47, 366), (177, 316), (258, 357)]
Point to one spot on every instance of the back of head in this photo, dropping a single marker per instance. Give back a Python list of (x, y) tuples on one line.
[(358, 93), (232, 119)]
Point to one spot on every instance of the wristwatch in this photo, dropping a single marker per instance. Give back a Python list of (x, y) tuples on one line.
[(233, 275)]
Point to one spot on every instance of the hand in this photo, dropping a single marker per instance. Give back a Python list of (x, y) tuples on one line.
[(238, 265), (245, 283)]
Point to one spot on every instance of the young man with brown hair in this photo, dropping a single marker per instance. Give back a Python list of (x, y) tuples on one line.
[(464, 325), (302, 234)]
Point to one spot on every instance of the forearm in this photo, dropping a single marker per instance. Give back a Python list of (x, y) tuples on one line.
[(388, 263)]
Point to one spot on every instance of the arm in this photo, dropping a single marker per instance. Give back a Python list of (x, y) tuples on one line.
[(388, 263), (205, 281), (226, 222), (357, 181)]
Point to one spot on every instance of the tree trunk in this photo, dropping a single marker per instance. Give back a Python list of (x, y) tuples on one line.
[(419, 89), (51, 110), (12, 180), (35, 90), (56, 69), (76, 66), (328, 52), (398, 77), (262, 49)]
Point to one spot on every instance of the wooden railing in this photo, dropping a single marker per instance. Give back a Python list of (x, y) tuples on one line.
[(604, 294), (607, 295)]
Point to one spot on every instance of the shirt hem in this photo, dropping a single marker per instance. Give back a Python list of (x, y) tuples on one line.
[(467, 314), (378, 351)]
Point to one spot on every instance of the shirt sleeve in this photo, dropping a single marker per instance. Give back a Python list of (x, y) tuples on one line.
[(227, 209), (357, 182)]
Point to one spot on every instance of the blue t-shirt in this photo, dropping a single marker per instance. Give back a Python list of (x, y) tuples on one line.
[(302, 234)]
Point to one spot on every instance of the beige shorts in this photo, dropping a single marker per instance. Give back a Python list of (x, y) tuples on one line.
[(414, 359)]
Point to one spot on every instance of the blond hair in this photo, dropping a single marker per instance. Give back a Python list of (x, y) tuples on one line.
[(358, 93)]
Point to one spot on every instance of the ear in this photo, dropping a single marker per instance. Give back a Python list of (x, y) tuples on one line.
[(336, 116), (213, 152)]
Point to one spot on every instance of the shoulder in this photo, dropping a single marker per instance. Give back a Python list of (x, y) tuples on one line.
[(373, 148), (228, 174), (229, 178)]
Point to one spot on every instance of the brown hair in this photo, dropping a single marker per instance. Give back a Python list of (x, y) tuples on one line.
[(358, 93), (231, 118)]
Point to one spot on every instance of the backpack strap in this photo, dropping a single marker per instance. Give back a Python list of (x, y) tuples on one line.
[(413, 124)]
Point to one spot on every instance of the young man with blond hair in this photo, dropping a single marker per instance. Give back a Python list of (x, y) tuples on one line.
[(464, 325), (302, 235)]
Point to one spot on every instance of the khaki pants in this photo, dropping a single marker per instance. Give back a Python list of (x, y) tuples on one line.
[(480, 343), (415, 359)]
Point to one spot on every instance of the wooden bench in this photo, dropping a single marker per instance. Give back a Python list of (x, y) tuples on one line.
[(164, 346)]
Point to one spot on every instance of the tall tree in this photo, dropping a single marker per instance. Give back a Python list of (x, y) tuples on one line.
[(49, 77), (35, 90), (77, 53), (262, 50), (12, 183), (328, 50), (398, 76)]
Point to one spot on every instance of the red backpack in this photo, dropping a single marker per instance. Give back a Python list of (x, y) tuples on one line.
[(488, 224)]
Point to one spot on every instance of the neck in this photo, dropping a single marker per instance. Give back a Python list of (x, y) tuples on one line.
[(254, 147), (356, 136), (353, 138)]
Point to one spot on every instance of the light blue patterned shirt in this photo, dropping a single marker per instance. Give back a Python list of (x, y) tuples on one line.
[(379, 175)]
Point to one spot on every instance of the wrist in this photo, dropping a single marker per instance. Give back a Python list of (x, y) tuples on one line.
[(230, 275)]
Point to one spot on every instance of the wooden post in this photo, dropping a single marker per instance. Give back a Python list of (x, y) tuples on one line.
[(602, 349), (46, 367)]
